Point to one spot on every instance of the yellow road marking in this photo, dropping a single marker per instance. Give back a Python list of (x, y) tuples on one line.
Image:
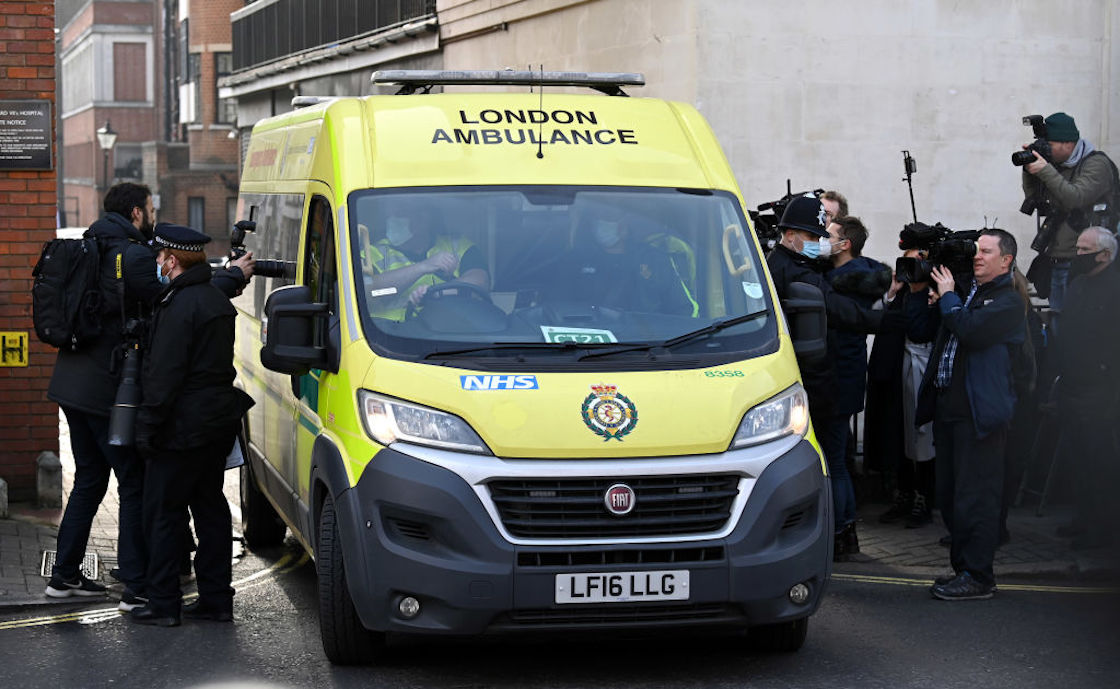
[(285, 564), (1036, 588)]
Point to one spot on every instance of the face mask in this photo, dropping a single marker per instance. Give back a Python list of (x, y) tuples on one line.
[(1083, 264), (825, 247), (811, 249), (163, 279), (398, 232), (606, 233)]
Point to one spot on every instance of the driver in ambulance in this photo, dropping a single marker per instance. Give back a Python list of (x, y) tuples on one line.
[(412, 258)]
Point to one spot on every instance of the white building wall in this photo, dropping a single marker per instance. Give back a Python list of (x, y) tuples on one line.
[(828, 94)]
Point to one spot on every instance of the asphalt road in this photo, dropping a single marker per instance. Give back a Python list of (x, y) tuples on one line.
[(869, 633)]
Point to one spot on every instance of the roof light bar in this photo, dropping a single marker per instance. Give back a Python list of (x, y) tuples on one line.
[(412, 79)]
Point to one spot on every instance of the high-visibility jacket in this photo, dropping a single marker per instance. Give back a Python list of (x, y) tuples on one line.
[(383, 257)]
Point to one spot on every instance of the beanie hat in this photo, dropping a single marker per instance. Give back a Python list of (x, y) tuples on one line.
[(1060, 127), (805, 213)]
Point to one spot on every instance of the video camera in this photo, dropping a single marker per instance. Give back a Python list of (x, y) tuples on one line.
[(769, 214), (1038, 124), (954, 250), (262, 266)]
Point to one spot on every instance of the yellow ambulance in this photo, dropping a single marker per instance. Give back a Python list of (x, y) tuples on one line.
[(519, 367)]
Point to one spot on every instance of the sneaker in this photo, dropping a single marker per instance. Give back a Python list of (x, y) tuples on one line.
[(58, 587), (944, 579), (962, 587), (130, 601), (115, 573), (898, 510), (145, 615), (919, 514)]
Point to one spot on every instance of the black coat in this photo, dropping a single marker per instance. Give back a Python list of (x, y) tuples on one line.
[(87, 379), (844, 313), (189, 398), (1086, 345), (866, 281)]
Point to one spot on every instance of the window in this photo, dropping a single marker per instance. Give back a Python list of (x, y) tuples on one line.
[(226, 110), (194, 67), (196, 213), (231, 212), (127, 161)]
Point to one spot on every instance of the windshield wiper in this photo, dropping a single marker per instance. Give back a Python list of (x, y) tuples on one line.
[(495, 346), (709, 329)]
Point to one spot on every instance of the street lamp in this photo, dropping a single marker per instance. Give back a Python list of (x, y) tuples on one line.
[(107, 138)]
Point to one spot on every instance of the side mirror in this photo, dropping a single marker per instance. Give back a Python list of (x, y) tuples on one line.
[(808, 322), (290, 326)]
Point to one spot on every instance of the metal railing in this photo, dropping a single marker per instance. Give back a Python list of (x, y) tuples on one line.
[(266, 30)]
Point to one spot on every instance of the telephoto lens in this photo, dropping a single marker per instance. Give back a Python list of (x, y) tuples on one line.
[(1021, 158), (122, 417)]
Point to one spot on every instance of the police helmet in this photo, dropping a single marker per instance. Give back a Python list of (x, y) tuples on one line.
[(805, 212)]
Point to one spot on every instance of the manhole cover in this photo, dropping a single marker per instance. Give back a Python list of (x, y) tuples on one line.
[(87, 568)]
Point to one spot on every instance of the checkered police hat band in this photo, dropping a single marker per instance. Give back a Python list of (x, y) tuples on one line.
[(180, 246)]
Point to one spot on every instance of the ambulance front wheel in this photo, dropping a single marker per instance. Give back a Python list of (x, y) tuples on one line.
[(345, 640)]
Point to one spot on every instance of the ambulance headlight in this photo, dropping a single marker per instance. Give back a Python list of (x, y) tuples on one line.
[(786, 414), (389, 420)]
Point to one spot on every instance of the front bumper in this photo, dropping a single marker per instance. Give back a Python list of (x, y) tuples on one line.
[(420, 523)]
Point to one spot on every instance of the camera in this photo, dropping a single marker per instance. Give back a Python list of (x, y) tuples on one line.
[(944, 247), (769, 214), (1039, 145), (262, 266), (122, 416)]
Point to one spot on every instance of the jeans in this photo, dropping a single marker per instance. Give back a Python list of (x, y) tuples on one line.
[(832, 433), (969, 493), (94, 458)]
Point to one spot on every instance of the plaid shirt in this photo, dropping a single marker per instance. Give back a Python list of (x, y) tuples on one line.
[(949, 354)]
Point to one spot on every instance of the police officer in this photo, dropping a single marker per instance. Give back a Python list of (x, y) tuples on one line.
[(805, 240), (186, 427)]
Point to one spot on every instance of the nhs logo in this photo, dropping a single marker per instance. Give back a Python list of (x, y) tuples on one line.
[(498, 382)]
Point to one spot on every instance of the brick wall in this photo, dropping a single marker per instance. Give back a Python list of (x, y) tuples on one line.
[(28, 421)]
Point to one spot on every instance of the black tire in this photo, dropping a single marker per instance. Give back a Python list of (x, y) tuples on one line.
[(784, 637), (345, 640), (260, 524)]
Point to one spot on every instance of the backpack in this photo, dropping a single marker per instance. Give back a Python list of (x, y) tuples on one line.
[(66, 296), (1105, 212)]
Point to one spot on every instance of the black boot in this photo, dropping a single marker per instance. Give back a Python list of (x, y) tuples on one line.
[(851, 540), (920, 514), (840, 547), (899, 510)]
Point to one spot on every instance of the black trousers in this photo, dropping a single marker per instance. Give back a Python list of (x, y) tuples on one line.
[(969, 492), (174, 482)]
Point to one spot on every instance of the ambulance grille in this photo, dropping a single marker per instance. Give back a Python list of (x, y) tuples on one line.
[(575, 508), (621, 615)]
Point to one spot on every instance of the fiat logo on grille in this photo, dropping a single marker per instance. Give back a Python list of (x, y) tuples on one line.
[(619, 499)]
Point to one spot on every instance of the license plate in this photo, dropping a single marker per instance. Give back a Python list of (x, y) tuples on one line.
[(622, 587)]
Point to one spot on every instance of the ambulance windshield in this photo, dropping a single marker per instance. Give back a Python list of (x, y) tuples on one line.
[(562, 272)]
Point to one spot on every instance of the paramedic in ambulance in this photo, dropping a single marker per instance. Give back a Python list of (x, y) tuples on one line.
[(613, 267), (412, 257)]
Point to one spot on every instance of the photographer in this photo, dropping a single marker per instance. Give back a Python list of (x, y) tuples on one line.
[(186, 427), (968, 392), (1068, 183), (804, 241), (84, 383)]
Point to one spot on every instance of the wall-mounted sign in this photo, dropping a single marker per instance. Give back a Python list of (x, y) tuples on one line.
[(25, 135), (13, 348)]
